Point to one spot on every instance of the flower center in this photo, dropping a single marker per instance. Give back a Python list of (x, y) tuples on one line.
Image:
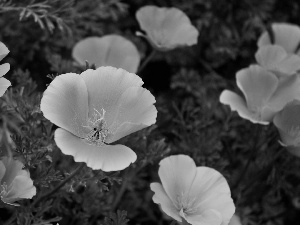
[(98, 129), (186, 206)]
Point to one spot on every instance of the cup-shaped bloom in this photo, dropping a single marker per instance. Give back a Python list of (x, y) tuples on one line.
[(277, 60), (93, 110), (166, 28), (15, 183), (110, 50), (4, 68), (283, 34), (199, 195), (265, 94), (287, 122)]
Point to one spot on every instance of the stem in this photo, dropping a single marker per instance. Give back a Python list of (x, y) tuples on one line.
[(58, 186), (146, 61)]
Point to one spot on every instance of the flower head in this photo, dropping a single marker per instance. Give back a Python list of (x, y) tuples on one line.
[(110, 50), (94, 109), (277, 60), (199, 195), (4, 68), (166, 28), (287, 122), (265, 94), (283, 34), (15, 183)]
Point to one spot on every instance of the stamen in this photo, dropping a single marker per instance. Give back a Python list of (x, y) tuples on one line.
[(98, 129)]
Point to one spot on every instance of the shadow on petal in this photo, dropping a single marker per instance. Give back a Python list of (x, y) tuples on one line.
[(207, 217), (106, 157)]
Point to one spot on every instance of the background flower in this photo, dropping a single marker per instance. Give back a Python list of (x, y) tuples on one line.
[(110, 50), (287, 122), (276, 59), (4, 68), (200, 195), (15, 182), (166, 28), (264, 94), (285, 35), (95, 109)]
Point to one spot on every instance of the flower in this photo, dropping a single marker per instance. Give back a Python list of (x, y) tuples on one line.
[(166, 28), (94, 109), (283, 34), (265, 94), (287, 122), (199, 195), (4, 68), (110, 50), (15, 183), (235, 220), (277, 60)]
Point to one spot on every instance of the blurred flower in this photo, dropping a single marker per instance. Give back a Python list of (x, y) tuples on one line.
[(15, 183), (4, 68), (287, 122), (283, 34), (94, 109), (265, 94), (199, 195), (166, 28), (276, 59), (110, 50), (235, 220)]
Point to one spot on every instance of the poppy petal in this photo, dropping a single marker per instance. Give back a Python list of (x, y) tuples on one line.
[(106, 157), (287, 91), (13, 167), (167, 27), (3, 51), (4, 68), (285, 35), (269, 56), (238, 104), (109, 50), (177, 174), (2, 171), (257, 84), (4, 84), (21, 187), (207, 217), (161, 197), (105, 87), (65, 103), (135, 111), (211, 191)]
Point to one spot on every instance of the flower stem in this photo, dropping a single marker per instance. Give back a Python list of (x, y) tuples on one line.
[(146, 61), (58, 186)]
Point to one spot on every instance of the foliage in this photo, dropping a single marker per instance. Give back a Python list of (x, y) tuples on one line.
[(264, 178)]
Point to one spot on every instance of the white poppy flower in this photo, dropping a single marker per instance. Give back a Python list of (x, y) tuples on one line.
[(277, 60), (199, 195), (4, 68), (94, 109), (110, 50), (285, 35), (15, 183), (265, 94), (235, 220), (166, 28)]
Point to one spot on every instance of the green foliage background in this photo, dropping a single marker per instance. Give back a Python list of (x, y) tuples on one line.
[(264, 177)]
